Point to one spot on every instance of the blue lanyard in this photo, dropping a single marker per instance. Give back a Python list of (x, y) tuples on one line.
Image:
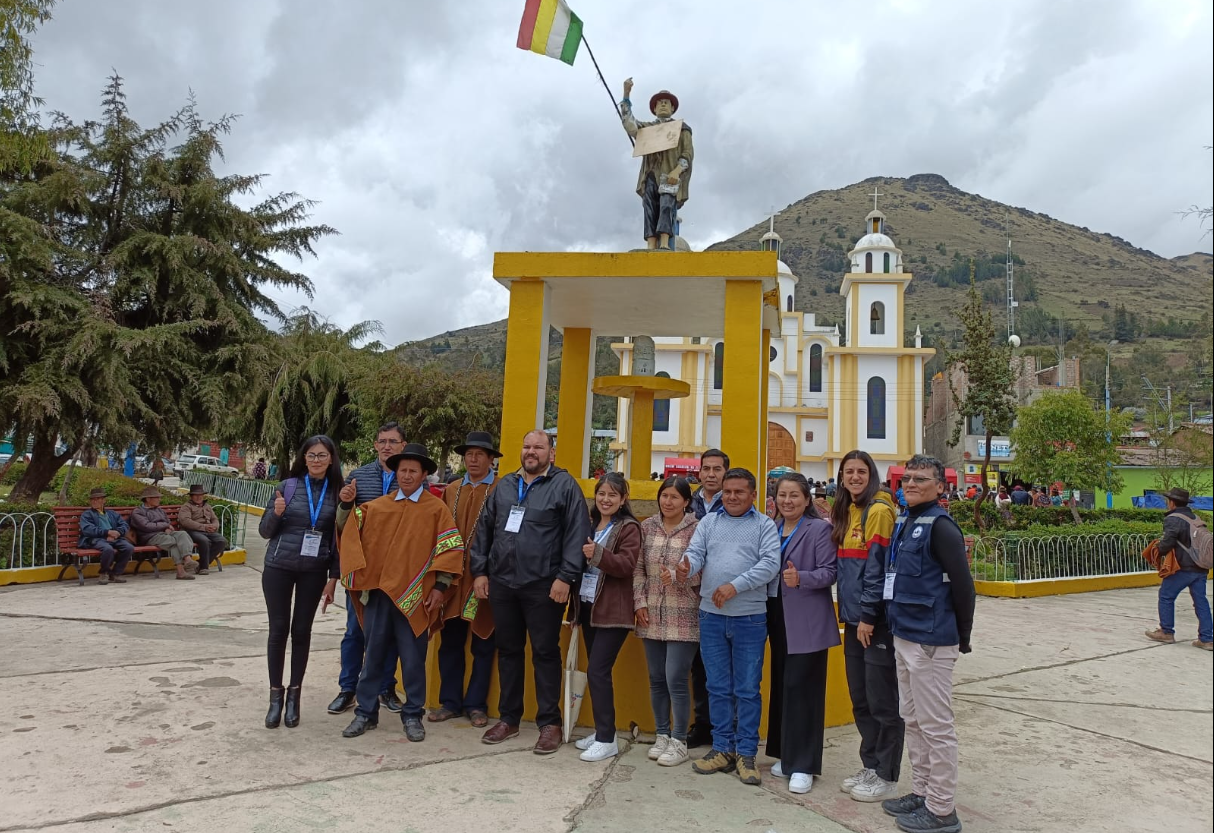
[(387, 480), (523, 492), (784, 541), (314, 508), (893, 543), (601, 535)]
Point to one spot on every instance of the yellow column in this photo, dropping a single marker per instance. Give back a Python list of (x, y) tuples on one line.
[(761, 474), (743, 432), (850, 403), (904, 393), (573, 406), (526, 375), (640, 436)]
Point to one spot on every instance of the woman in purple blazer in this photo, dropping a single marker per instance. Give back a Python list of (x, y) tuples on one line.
[(811, 629)]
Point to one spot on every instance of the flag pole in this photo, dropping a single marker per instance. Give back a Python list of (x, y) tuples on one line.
[(614, 105)]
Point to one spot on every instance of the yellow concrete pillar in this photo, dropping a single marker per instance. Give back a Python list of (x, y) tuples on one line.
[(903, 394), (761, 474), (573, 405), (849, 411), (526, 375), (743, 431), (640, 436)]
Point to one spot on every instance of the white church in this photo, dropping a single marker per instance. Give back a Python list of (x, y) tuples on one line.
[(828, 393)]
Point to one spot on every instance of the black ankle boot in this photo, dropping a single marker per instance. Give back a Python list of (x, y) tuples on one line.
[(274, 715), (292, 715)]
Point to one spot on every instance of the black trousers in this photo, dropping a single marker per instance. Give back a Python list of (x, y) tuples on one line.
[(279, 587), (602, 648), (659, 209), (519, 614), (389, 634), (115, 555), (872, 681), (804, 720), (210, 546), (451, 664), (777, 640), (699, 692)]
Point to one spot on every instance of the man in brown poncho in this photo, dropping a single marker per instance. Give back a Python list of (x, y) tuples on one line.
[(464, 499), (399, 558), (665, 175)]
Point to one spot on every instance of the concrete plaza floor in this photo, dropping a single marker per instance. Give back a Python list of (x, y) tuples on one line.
[(138, 707)]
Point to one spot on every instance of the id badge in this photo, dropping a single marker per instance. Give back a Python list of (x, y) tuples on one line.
[(888, 593), (515, 522), (590, 584), (311, 545)]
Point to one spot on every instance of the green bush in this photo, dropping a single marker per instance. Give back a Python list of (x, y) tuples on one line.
[(1057, 518)]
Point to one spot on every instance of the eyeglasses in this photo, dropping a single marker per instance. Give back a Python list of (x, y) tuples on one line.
[(317, 458), (389, 442), (916, 480)]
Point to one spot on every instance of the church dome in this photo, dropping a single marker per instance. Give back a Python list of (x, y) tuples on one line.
[(783, 269), (875, 241)]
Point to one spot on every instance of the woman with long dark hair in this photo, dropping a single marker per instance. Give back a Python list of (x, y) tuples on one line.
[(301, 564), (603, 605), (863, 517)]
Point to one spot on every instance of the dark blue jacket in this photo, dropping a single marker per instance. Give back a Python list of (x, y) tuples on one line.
[(92, 528), (286, 533), (933, 599), (370, 480)]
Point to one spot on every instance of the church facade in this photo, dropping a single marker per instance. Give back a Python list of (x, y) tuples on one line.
[(828, 391)]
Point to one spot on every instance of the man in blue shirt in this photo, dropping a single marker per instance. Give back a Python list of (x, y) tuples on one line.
[(104, 530)]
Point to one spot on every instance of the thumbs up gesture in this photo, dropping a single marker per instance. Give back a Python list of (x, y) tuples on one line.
[(280, 503), (791, 577), (588, 549), (348, 492), (682, 571)]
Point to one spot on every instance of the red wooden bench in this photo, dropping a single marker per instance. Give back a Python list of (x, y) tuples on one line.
[(67, 527)]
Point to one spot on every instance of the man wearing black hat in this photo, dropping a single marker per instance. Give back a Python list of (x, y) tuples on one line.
[(152, 528), (525, 555), (463, 610), (198, 519), (663, 182), (104, 530), (399, 555), (1180, 529)]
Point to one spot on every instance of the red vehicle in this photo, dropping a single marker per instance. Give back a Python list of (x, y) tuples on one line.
[(682, 466)]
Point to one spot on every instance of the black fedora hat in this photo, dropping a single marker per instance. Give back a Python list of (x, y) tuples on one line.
[(478, 439), (413, 451), (1178, 495), (197, 489)]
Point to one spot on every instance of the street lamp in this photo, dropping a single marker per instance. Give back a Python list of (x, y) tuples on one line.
[(1108, 360)]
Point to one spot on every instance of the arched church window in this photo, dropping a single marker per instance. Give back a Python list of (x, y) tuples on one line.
[(789, 303), (876, 319), (868, 261), (718, 365), (876, 408), (661, 409), (815, 368), (876, 226), (887, 262)]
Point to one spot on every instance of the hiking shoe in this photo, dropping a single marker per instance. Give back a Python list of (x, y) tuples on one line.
[(103, 579), (924, 820), (675, 754), (1160, 635), (800, 783), (748, 771), (117, 579), (874, 788), (600, 751), (716, 761), (903, 806), (659, 747), (1205, 646), (850, 782)]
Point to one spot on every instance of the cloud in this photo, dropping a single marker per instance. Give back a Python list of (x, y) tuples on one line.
[(430, 141)]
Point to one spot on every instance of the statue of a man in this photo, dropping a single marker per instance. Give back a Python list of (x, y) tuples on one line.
[(662, 184)]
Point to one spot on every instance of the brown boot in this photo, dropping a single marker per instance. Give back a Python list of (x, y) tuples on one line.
[(1160, 635), (550, 740), (499, 732), (1205, 646)]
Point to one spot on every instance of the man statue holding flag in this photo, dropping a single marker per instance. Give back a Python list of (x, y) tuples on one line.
[(665, 164)]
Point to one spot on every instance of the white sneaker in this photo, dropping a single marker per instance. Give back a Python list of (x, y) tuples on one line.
[(849, 783), (600, 751), (675, 754), (874, 788), (800, 783), (777, 771), (659, 747), (587, 742)]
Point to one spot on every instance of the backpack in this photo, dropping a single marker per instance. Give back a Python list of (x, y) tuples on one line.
[(1201, 546)]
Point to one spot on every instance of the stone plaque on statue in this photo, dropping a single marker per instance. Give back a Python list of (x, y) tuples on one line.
[(657, 137)]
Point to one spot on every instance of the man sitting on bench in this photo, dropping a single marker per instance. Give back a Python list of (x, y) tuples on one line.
[(104, 530), (152, 527), (199, 519)]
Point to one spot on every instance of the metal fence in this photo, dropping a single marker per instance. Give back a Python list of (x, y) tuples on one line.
[(257, 493), (1059, 556)]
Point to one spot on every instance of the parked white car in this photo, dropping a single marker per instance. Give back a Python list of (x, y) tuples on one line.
[(184, 463), (212, 464)]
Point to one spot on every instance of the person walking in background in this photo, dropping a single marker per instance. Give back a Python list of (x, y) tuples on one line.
[(863, 524), (713, 464), (152, 528), (301, 567), (259, 469), (808, 630), (929, 601), (666, 618), (603, 605), (738, 550), (526, 554), (197, 518), (366, 483), (157, 471), (1181, 529), (104, 530)]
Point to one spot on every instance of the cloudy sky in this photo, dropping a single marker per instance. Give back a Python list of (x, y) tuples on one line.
[(431, 141)]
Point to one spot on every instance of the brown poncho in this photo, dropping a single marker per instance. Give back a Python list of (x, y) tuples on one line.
[(398, 546), (464, 502)]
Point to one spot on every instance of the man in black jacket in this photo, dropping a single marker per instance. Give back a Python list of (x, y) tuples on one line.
[(1178, 526), (525, 556)]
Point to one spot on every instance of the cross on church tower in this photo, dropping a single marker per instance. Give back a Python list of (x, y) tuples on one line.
[(874, 195)]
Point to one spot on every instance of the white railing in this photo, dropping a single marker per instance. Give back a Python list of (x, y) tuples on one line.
[(1037, 558), (28, 539), (257, 493)]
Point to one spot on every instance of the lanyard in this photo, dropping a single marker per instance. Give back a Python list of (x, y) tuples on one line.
[(314, 508), (523, 492), (893, 543), (601, 535), (784, 541), (386, 476)]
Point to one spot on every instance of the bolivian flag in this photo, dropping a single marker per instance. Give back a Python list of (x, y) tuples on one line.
[(551, 29)]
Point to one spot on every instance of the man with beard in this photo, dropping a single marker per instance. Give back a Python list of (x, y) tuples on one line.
[(525, 555)]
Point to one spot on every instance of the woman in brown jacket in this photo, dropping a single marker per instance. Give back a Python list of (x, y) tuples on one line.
[(604, 604)]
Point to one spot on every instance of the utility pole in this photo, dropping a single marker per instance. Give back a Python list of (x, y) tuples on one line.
[(1171, 424), (1108, 360)]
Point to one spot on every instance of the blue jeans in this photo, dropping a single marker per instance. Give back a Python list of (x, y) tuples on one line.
[(732, 648), (1170, 588), (353, 647), (389, 634)]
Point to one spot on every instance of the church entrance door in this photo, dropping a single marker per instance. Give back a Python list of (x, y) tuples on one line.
[(781, 448)]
